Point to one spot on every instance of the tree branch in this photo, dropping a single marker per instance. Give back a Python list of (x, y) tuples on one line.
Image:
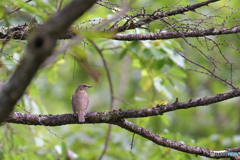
[(111, 93), (152, 17), (171, 144), (179, 34), (64, 119), (22, 31), (115, 115)]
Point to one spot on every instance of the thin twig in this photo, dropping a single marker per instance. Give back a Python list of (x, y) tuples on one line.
[(11, 56), (185, 39), (125, 8), (171, 144), (59, 5), (40, 122), (132, 140), (8, 126), (124, 101), (156, 16), (112, 97), (17, 8), (225, 82), (74, 65), (107, 70), (106, 142)]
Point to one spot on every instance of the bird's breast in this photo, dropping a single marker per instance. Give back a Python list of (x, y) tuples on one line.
[(80, 99)]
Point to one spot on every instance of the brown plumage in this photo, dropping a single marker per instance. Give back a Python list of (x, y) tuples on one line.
[(80, 102)]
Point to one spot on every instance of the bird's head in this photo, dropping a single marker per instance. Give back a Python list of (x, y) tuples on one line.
[(83, 87)]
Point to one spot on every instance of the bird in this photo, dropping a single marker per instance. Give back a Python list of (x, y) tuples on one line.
[(80, 102)]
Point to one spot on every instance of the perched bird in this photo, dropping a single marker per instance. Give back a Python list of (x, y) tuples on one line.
[(80, 102)]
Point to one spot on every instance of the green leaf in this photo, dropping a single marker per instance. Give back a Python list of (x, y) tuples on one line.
[(33, 90), (169, 62), (26, 102), (42, 4), (144, 73), (79, 52), (178, 60), (64, 150), (147, 44), (2, 12), (140, 122), (136, 63), (160, 87), (169, 80), (179, 81), (155, 123), (123, 53), (158, 53), (52, 74), (177, 72), (58, 149), (146, 83), (168, 49), (140, 99), (157, 65), (135, 47), (93, 34), (19, 141), (176, 45), (38, 141), (30, 9), (35, 107), (165, 119), (167, 93), (158, 84), (147, 53)]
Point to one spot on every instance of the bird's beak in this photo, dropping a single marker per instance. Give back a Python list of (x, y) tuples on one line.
[(89, 86)]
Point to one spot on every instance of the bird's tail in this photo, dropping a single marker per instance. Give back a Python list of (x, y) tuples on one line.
[(81, 116)]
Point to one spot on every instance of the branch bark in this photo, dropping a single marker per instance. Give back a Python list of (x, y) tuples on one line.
[(179, 34), (172, 144), (64, 119), (115, 115), (22, 32)]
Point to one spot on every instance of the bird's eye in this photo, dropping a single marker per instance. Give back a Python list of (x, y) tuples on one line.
[(84, 85)]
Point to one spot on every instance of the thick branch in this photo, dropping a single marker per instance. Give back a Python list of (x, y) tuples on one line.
[(170, 144), (22, 31), (92, 117), (40, 46), (179, 34), (115, 115)]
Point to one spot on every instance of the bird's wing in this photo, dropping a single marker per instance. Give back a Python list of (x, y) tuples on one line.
[(86, 106), (74, 104)]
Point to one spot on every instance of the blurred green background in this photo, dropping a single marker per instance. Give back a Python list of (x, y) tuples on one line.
[(144, 73)]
